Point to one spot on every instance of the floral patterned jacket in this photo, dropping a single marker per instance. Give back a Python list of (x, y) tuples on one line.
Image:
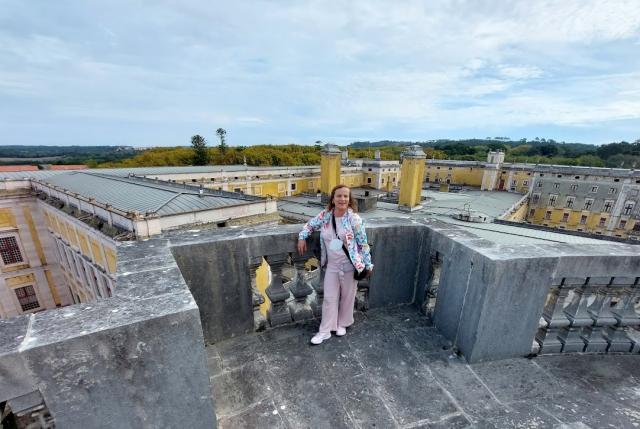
[(356, 237)]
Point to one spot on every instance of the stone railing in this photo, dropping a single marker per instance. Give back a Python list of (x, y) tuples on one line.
[(590, 314), (487, 298), (121, 361)]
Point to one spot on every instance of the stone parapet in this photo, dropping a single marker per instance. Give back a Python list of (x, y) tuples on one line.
[(137, 359)]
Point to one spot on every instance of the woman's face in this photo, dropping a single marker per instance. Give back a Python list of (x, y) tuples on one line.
[(341, 199)]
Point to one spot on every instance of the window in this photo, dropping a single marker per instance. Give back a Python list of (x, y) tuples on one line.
[(608, 204), (556, 185), (570, 201), (552, 200), (583, 219), (10, 250), (450, 168), (394, 180), (535, 198), (532, 212), (594, 189), (588, 203), (565, 217), (622, 224), (514, 183), (636, 226), (525, 183), (539, 185), (193, 180), (574, 187), (368, 179), (628, 208), (293, 186), (311, 185), (547, 215), (602, 221), (612, 191), (27, 298)]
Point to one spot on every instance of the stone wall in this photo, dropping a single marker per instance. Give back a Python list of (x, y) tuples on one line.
[(135, 360), (490, 296)]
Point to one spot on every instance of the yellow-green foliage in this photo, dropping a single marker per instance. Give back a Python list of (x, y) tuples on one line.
[(261, 155)]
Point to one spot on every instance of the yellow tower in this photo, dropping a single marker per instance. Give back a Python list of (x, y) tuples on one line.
[(330, 157), (411, 177)]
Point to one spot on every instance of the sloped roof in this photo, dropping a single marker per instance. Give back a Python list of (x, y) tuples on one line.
[(9, 168), (145, 196)]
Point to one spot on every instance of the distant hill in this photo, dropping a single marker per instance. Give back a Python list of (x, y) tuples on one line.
[(543, 151), (91, 155)]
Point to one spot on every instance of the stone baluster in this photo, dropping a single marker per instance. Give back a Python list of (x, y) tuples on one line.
[(601, 315), (301, 289), (432, 287), (577, 313), (553, 314), (278, 312), (259, 321), (317, 283), (624, 313)]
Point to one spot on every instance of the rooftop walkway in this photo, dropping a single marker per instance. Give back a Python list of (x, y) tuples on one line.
[(393, 370)]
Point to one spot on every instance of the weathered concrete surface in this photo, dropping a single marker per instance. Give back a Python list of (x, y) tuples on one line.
[(490, 298), (392, 370), (216, 268), (135, 360), (15, 380)]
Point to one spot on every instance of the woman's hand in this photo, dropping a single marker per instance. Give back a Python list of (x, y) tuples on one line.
[(302, 247), (369, 272)]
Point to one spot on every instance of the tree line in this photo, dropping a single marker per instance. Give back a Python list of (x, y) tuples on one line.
[(543, 151)]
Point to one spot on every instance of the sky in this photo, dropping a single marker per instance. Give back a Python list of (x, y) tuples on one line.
[(154, 73)]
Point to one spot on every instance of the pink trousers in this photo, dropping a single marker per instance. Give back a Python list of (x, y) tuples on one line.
[(339, 296)]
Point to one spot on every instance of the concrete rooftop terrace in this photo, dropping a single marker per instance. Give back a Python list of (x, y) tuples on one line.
[(441, 205), (393, 370)]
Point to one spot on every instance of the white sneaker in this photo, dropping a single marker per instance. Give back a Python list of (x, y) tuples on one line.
[(341, 331), (320, 337)]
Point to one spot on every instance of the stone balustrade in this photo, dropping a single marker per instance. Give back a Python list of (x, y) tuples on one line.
[(137, 359), (590, 314)]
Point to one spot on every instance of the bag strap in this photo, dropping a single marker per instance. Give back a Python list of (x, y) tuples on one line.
[(335, 231)]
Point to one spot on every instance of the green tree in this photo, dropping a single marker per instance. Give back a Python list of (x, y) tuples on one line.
[(199, 146), (222, 135)]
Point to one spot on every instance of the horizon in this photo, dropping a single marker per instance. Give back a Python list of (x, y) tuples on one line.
[(392, 142), (302, 71)]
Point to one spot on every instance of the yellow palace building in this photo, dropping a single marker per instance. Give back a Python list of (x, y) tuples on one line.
[(600, 201), (59, 229)]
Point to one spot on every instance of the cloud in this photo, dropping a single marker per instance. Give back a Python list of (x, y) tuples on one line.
[(304, 69)]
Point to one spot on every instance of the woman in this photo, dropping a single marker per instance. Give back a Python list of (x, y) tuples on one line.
[(339, 226)]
